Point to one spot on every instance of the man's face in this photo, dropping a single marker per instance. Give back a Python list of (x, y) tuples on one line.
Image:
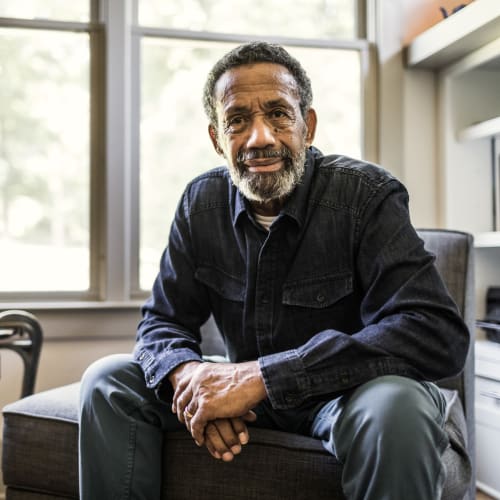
[(261, 131)]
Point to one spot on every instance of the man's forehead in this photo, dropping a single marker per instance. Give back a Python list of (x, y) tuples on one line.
[(255, 78)]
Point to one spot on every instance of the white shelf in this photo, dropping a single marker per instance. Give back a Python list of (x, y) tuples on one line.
[(456, 36), (487, 240), (482, 130), (487, 357)]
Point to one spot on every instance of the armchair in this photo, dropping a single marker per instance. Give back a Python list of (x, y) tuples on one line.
[(40, 459)]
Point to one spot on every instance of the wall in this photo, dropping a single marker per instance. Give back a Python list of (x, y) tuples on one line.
[(408, 104)]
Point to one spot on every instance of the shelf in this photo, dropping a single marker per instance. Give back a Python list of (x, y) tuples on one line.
[(487, 240), (481, 130), (456, 36), (488, 351)]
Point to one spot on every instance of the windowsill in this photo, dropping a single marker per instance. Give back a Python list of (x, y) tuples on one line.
[(78, 320), (61, 305)]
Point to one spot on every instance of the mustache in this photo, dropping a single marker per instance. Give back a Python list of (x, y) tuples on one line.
[(257, 154)]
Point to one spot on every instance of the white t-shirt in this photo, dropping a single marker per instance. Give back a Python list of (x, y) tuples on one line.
[(265, 220)]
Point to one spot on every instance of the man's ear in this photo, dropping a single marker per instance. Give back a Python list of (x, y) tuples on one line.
[(311, 121), (212, 132)]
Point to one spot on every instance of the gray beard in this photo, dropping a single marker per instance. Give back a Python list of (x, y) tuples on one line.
[(265, 187)]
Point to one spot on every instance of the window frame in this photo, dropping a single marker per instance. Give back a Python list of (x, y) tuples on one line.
[(115, 40)]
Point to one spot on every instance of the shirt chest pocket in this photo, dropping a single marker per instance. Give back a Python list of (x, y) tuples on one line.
[(223, 284), (318, 293)]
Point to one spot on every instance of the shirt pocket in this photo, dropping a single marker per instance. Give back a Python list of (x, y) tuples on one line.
[(319, 292), (222, 283)]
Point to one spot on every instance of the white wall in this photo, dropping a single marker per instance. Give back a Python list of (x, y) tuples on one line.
[(408, 105)]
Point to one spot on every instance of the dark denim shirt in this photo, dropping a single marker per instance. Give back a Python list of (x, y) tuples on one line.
[(339, 291)]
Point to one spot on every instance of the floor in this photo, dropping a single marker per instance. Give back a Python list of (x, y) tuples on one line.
[(483, 496)]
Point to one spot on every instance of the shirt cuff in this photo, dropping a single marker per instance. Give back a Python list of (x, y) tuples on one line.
[(156, 368), (285, 378)]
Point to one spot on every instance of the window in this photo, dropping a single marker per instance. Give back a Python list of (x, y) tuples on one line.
[(97, 141), (44, 152), (60, 10), (174, 140), (301, 18), (179, 44)]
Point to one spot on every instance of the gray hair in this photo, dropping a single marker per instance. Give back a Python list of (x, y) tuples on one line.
[(256, 52)]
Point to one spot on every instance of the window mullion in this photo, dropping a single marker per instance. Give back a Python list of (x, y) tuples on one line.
[(118, 208), (97, 158), (135, 125)]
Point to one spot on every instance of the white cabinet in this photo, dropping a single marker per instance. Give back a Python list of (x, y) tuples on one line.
[(487, 408), (463, 52)]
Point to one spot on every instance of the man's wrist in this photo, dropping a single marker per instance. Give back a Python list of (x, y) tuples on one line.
[(257, 380), (180, 370)]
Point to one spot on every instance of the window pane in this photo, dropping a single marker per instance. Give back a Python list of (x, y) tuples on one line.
[(44, 160), (336, 82), (298, 18), (175, 146), (174, 140), (59, 10)]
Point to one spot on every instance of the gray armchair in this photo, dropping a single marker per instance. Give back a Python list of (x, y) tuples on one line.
[(40, 459)]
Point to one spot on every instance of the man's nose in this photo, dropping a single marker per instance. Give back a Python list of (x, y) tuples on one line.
[(261, 134)]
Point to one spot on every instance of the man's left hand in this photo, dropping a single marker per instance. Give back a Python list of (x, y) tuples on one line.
[(219, 390)]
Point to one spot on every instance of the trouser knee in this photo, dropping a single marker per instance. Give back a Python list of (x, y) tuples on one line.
[(389, 435), (396, 412), (110, 379)]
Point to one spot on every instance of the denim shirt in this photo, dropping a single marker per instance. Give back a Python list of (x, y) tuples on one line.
[(339, 291)]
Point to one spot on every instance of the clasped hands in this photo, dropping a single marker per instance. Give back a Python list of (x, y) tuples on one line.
[(215, 401)]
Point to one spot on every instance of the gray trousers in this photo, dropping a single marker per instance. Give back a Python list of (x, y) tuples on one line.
[(388, 434)]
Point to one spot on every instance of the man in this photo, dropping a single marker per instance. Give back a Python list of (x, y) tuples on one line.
[(334, 317)]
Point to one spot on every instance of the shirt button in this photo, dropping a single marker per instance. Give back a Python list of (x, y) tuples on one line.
[(320, 298)]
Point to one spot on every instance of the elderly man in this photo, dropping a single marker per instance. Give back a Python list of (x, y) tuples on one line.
[(333, 315)]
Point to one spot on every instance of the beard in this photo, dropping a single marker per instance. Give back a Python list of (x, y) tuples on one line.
[(265, 187)]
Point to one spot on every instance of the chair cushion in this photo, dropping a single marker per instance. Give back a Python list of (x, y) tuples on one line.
[(40, 442), (40, 454), (456, 460), (273, 466)]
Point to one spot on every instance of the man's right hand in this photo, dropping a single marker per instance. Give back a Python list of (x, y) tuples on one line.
[(180, 378)]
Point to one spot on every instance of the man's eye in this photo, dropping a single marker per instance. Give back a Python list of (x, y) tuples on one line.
[(280, 116), (235, 123), (235, 120)]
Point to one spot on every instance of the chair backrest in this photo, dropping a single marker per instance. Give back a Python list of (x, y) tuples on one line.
[(454, 253)]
